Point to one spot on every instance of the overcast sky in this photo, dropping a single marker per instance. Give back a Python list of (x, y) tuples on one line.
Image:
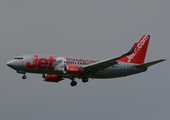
[(90, 29)]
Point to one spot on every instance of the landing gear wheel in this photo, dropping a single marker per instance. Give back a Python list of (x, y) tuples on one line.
[(24, 77), (73, 83), (85, 79)]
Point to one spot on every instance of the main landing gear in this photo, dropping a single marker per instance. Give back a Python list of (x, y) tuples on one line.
[(74, 83), (85, 79)]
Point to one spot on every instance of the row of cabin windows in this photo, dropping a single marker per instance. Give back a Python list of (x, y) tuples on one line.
[(76, 63), (68, 62), (20, 58)]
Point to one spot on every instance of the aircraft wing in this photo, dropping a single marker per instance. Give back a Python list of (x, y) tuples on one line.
[(101, 65)]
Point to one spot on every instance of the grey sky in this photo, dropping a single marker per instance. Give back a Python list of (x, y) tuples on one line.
[(92, 29)]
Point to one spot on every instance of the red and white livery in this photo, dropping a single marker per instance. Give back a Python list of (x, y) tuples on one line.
[(56, 68)]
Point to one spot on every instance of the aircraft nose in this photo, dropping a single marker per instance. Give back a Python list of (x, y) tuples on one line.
[(10, 63), (14, 64)]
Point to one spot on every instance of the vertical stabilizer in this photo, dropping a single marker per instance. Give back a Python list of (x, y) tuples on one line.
[(139, 52)]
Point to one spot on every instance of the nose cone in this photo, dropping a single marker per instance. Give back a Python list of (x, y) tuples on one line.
[(10, 63), (14, 64)]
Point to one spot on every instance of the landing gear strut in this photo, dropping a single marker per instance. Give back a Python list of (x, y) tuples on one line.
[(22, 72)]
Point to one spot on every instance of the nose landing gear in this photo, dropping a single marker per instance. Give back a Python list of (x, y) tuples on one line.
[(22, 72), (24, 77)]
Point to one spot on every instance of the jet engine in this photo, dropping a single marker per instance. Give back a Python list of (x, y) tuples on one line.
[(51, 78), (73, 70)]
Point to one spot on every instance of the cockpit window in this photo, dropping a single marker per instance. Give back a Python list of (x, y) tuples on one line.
[(19, 58)]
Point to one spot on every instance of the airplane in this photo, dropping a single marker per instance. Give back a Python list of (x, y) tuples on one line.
[(56, 68)]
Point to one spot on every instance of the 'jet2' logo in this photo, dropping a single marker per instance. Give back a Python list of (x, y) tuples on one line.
[(140, 44), (41, 63)]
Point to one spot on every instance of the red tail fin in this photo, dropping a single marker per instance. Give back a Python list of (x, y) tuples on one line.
[(139, 52)]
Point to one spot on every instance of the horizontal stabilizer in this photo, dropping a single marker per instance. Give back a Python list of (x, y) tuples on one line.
[(150, 63)]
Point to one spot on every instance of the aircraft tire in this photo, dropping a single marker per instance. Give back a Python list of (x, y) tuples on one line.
[(24, 77), (85, 79), (73, 83)]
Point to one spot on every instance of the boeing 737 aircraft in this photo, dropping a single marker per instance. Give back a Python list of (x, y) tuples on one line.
[(56, 68)]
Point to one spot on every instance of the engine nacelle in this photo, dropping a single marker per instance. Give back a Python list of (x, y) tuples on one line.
[(51, 78), (73, 70)]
